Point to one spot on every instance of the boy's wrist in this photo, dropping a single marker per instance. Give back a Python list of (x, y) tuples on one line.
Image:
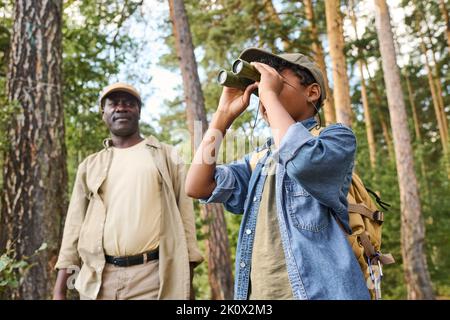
[(221, 120), (269, 97)]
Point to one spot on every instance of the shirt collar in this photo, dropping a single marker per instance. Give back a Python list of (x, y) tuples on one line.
[(309, 124), (149, 141)]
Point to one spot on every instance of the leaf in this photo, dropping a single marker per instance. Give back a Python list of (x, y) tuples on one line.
[(20, 264), (42, 247)]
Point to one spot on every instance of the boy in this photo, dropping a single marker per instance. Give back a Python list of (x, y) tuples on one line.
[(291, 243)]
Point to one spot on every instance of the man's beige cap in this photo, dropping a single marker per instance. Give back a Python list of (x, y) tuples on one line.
[(122, 87)]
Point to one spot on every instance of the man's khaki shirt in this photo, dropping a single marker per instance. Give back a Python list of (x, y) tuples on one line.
[(82, 242)]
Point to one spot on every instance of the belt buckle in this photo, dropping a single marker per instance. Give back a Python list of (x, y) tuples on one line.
[(145, 256)]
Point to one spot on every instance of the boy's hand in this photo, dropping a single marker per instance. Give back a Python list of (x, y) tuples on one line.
[(234, 101), (271, 82)]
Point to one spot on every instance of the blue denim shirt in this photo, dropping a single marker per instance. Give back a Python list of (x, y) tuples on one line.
[(312, 180)]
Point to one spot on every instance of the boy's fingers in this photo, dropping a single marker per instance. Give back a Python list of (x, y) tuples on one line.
[(248, 91), (263, 67)]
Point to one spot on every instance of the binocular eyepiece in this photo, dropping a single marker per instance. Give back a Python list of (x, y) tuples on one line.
[(242, 75)]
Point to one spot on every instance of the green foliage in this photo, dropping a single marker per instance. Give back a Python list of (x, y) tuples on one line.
[(222, 29), (94, 48), (13, 270)]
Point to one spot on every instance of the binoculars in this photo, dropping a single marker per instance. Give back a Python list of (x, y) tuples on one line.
[(242, 75)]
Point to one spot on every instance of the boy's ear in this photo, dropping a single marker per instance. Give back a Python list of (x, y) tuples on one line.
[(314, 92)]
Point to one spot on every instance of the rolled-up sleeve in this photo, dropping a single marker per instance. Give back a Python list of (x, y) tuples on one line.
[(323, 164), (68, 254), (185, 205), (231, 185)]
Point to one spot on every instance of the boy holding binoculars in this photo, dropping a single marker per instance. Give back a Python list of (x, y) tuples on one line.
[(291, 191)]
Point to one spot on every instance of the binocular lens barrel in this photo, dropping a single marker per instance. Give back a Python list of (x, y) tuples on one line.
[(229, 79), (244, 69), (222, 77), (243, 75), (237, 66)]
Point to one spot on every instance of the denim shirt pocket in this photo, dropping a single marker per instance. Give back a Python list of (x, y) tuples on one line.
[(305, 212)]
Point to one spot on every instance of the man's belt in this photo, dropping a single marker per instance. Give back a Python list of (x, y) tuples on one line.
[(133, 260)]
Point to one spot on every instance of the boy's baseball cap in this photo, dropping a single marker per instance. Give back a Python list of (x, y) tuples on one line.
[(255, 54)]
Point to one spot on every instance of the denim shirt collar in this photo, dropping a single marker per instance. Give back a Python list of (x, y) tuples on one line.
[(307, 123)]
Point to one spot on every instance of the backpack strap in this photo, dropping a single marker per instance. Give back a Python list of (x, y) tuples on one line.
[(362, 209), (370, 252)]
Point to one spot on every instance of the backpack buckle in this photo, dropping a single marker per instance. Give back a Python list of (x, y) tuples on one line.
[(378, 216), (376, 275)]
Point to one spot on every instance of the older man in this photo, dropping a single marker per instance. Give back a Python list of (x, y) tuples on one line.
[(129, 221)]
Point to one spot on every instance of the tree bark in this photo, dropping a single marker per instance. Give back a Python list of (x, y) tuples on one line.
[(413, 109), (438, 84), (341, 91), (35, 177), (217, 245), (444, 12), (417, 278), (384, 125), (319, 57), (273, 15), (416, 121), (435, 72), (436, 105), (365, 99)]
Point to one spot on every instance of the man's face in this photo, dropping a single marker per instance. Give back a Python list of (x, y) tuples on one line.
[(121, 113), (294, 97)]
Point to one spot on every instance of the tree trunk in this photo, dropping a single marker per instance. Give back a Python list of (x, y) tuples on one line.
[(273, 15), (436, 92), (416, 121), (319, 57), (417, 278), (437, 79), (368, 119), (217, 245), (341, 91), (444, 12), (414, 110), (431, 83), (35, 176), (384, 125), (365, 100)]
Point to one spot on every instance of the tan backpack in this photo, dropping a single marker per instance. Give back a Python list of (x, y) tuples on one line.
[(366, 221)]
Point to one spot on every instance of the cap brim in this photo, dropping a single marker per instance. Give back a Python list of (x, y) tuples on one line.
[(254, 54), (121, 90)]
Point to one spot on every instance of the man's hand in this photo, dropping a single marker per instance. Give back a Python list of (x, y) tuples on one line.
[(59, 296), (60, 290), (192, 291)]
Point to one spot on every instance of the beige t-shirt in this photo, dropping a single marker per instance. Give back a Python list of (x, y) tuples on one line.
[(132, 196), (268, 277)]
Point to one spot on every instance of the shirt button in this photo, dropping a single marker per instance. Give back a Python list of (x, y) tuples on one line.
[(248, 231), (242, 264)]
